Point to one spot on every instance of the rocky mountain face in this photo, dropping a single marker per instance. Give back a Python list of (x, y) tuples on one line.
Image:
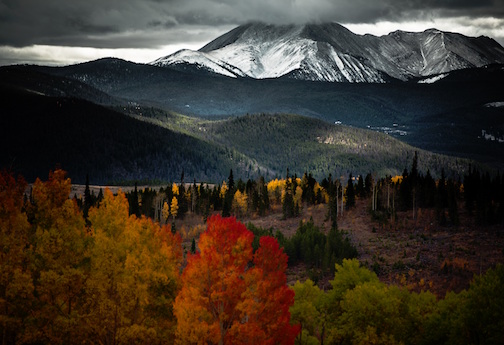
[(330, 52)]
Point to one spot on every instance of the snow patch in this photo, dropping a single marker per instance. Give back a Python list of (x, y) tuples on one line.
[(432, 80), (494, 105)]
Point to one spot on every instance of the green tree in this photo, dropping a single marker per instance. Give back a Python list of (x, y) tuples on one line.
[(228, 196), (350, 193), (309, 312), (474, 316), (88, 202), (193, 246), (288, 206)]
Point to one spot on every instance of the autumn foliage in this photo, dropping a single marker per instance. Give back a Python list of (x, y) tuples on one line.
[(230, 295), (64, 282), (114, 278)]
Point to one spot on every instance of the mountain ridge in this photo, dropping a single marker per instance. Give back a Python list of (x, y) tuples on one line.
[(331, 52)]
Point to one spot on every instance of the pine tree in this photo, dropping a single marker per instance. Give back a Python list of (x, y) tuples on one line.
[(332, 211), (452, 203), (87, 199), (360, 187), (134, 207), (193, 246), (228, 197), (350, 193), (288, 207)]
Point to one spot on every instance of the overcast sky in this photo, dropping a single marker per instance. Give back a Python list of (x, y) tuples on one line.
[(69, 31)]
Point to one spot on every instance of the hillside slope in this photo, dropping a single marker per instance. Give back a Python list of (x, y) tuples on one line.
[(305, 144), (39, 133)]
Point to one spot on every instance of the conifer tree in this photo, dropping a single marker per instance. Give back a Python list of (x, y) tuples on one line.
[(228, 196), (350, 193), (87, 199), (288, 207), (134, 207), (193, 246), (360, 187)]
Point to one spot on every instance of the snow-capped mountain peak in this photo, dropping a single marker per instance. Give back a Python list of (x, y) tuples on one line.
[(330, 52)]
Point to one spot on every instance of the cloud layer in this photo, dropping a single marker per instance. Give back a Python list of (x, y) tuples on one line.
[(154, 23), (69, 31)]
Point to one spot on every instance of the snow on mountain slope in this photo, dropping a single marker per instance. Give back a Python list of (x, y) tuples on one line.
[(330, 52), (201, 61), (267, 51)]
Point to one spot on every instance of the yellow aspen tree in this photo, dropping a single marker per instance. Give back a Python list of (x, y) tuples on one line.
[(223, 190), (60, 252), (297, 196), (240, 200), (135, 267), (165, 212), (175, 189), (174, 207)]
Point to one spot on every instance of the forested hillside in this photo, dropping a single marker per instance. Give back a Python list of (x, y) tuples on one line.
[(304, 144), (39, 133), (136, 143)]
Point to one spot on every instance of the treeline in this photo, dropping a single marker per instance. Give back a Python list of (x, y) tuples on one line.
[(481, 194)]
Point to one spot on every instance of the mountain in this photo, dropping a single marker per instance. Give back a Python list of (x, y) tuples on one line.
[(330, 52)]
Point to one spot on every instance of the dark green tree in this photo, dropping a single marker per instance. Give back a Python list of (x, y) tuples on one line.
[(134, 206), (88, 202), (228, 198), (193, 246), (288, 207), (359, 190), (350, 193), (368, 185)]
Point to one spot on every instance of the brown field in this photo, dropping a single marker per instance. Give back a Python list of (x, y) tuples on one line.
[(417, 253)]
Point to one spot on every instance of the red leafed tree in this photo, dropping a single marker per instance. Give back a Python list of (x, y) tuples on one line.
[(225, 300)]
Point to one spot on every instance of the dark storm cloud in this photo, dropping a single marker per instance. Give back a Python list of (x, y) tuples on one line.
[(153, 23)]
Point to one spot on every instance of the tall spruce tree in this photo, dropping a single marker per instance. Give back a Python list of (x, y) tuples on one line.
[(87, 199), (350, 193), (228, 197)]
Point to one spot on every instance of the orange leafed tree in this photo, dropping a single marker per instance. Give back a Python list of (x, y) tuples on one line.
[(225, 301)]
